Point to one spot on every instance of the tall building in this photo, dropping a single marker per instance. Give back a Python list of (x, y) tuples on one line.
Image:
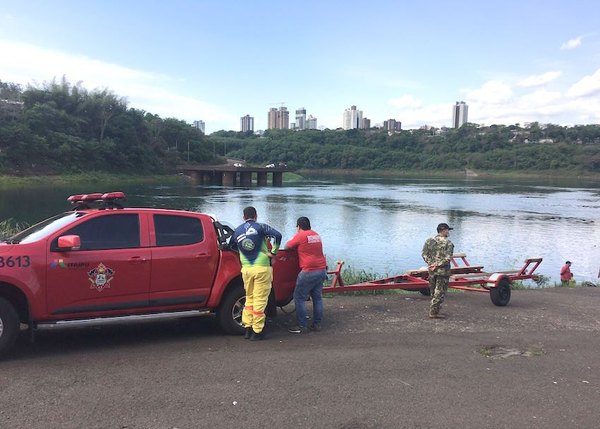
[(279, 118), (300, 119), (272, 120), (247, 123), (311, 123), (199, 125), (353, 118), (392, 125), (460, 113)]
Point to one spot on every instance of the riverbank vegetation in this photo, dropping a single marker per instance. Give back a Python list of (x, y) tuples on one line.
[(60, 128), (93, 177), (9, 227)]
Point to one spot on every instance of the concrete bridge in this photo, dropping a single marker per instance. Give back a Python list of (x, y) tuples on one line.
[(229, 175)]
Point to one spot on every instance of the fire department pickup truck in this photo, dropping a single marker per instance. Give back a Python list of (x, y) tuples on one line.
[(101, 260)]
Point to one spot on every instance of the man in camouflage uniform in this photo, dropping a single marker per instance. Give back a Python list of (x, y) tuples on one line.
[(437, 253)]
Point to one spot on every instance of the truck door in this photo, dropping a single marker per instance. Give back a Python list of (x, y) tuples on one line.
[(109, 273), (184, 261)]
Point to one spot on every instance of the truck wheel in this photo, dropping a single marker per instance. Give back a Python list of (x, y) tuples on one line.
[(425, 291), (229, 314), (9, 326), (500, 294)]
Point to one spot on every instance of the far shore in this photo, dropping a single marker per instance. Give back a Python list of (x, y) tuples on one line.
[(299, 175), (453, 174)]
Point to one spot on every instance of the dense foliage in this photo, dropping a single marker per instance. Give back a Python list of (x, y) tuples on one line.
[(472, 147), (59, 127)]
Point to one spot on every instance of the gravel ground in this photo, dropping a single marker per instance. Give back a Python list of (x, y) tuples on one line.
[(378, 363)]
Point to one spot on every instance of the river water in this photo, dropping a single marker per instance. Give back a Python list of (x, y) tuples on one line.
[(380, 226)]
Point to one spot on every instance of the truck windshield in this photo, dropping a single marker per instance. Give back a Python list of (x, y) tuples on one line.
[(44, 228)]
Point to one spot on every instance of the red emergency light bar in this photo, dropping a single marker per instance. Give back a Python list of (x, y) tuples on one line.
[(98, 196)]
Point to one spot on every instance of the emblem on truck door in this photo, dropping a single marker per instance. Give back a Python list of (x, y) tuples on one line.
[(100, 277)]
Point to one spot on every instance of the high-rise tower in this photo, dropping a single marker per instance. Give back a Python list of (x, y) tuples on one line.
[(301, 118), (353, 118), (199, 125), (279, 118), (460, 113), (247, 123)]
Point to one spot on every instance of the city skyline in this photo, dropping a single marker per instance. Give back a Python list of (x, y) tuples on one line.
[(511, 62)]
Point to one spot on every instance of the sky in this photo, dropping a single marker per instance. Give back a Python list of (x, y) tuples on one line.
[(512, 62)]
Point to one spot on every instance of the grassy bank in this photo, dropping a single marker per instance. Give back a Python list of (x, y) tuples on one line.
[(104, 178), (450, 174)]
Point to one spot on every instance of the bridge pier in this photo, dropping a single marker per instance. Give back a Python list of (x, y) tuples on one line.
[(229, 178), (277, 179), (207, 178), (216, 179), (261, 179)]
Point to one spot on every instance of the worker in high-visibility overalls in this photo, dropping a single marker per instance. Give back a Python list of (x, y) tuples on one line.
[(250, 238)]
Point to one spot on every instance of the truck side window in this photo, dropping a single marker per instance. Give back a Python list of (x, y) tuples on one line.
[(119, 231), (177, 230)]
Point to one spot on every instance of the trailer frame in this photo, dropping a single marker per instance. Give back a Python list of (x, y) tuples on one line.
[(464, 276)]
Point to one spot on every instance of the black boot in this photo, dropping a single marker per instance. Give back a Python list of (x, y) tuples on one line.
[(248, 333), (257, 336)]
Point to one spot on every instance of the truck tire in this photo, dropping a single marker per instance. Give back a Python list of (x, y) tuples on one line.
[(229, 315), (500, 294), (425, 291), (9, 326)]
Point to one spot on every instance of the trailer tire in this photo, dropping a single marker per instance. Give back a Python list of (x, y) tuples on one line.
[(425, 291), (500, 294), (9, 326), (229, 314)]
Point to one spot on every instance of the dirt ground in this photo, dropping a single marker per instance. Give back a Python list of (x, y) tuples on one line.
[(378, 363)]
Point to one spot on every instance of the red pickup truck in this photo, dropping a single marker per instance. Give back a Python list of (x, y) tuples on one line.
[(101, 260)]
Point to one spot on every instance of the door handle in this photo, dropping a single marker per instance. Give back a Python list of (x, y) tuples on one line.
[(137, 260)]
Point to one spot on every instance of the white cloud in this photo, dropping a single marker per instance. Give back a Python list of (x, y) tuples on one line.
[(539, 79), (586, 86), (495, 102), (571, 44), (540, 100), (30, 63), (543, 106), (491, 92), (144, 90)]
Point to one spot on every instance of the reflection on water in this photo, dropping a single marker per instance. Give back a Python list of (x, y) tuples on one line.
[(380, 226)]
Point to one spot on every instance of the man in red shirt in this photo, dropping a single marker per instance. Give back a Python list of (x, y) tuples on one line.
[(311, 277), (565, 274)]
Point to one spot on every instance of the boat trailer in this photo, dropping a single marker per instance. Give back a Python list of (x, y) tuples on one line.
[(463, 276)]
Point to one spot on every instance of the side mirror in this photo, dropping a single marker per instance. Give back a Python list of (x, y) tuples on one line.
[(69, 242)]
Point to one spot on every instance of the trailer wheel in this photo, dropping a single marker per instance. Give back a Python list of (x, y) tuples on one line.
[(229, 314), (9, 326), (425, 291), (500, 294)]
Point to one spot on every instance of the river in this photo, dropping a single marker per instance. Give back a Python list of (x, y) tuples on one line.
[(379, 226)]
